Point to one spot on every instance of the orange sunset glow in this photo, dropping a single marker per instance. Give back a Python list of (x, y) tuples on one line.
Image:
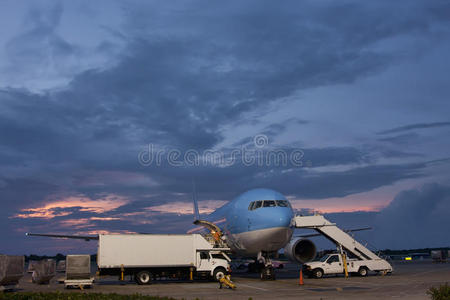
[(49, 210)]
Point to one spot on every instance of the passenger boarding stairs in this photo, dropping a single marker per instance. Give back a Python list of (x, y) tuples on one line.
[(336, 235)]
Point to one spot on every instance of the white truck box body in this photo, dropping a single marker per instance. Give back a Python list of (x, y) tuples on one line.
[(149, 250)]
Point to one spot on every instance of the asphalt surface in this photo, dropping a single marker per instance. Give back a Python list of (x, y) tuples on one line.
[(410, 280)]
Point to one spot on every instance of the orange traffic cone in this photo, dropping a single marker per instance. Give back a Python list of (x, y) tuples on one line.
[(300, 282)]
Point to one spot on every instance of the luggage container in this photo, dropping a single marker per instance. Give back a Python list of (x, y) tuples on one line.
[(78, 271), (31, 266), (438, 256), (43, 271), (61, 266), (11, 270)]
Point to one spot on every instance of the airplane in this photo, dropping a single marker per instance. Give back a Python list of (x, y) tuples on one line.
[(257, 223)]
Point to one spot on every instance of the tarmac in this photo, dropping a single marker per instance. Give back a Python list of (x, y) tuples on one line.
[(410, 280)]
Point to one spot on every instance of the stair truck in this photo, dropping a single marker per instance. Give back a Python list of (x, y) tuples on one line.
[(353, 257), (148, 257)]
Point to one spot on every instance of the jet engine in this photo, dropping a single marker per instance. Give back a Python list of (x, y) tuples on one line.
[(300, 250)]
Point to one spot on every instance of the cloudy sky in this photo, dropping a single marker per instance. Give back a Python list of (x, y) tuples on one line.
[(108, 110)]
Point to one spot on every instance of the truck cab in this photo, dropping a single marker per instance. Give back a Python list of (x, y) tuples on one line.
[(213, 263), (328, 264)]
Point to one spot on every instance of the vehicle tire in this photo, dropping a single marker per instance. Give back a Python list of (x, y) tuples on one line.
[(317, 273), (219, 273), (143, 277), (363, 272)]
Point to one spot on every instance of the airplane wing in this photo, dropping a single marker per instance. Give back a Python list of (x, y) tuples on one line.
[(60, 236), (318, 234)]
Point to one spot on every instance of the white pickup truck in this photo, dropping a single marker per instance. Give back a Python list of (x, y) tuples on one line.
[(333, 264)]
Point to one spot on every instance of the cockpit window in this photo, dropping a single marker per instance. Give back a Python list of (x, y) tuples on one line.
[(282, 203), (269, 203), (258, 204)]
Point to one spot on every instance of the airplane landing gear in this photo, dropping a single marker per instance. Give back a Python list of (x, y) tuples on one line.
[(267, 273)]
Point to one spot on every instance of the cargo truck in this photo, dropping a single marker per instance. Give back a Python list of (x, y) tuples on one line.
[(151, 256), (333, 264)]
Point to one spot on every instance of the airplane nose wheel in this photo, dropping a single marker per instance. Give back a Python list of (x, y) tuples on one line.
[(268, 273)]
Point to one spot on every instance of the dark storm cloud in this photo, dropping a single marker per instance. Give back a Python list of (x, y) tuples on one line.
[(415, 126), (19, 192), (416, 218), (299, 181), (391, 153), (275, 129), (187, 71), (178, 90), (401, 139), (270, 50), (416, 215), (339, 183), (39, 43), (271, 131)]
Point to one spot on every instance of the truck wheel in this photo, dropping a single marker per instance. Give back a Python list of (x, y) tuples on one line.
[(317, 273), (219, 273), (143, 277), (363, 271)]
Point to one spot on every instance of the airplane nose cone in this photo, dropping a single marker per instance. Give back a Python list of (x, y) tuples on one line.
[(282, 217), (270, 217)]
